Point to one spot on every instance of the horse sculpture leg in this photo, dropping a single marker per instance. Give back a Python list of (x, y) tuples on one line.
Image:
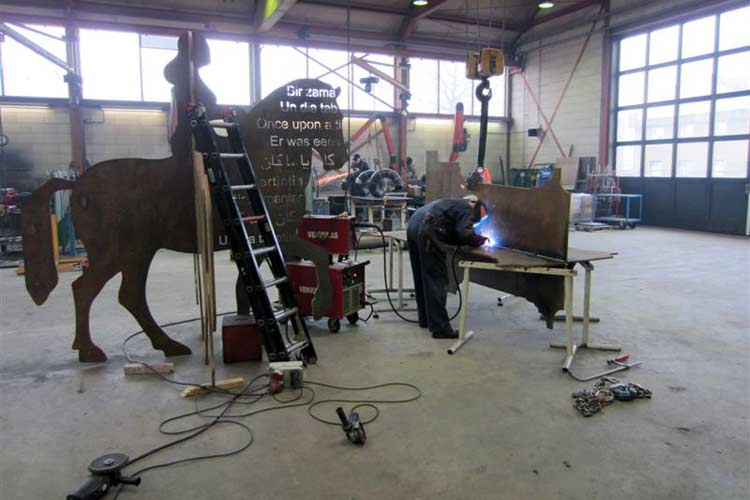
[(85, 290), (133, 297)]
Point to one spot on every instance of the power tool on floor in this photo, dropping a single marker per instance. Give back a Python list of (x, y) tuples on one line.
[(105, 475), (353, 427)]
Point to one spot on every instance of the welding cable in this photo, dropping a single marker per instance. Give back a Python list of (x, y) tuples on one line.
[(360, 403), (372, 311), (247, 396), (387, 287), (151, 368), (356, 245), (219, 419)]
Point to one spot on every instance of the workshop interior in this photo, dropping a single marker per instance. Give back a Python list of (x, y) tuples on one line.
[(406, 249)]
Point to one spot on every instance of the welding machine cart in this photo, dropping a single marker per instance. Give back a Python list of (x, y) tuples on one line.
[(336, 236), (348, 283)]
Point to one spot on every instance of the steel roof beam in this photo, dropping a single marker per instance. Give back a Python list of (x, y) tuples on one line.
[(409, 24)]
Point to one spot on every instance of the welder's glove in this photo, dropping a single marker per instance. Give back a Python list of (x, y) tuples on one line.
[(476, 240)]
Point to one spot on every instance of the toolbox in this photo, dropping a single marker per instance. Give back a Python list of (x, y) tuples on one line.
[(240, 339)]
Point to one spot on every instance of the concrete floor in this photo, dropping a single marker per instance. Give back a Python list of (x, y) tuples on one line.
[(495, 420)]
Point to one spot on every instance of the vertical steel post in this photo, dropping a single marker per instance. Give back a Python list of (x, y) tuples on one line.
[(569, 315), (586, 302), (401, 73), (75, 95)]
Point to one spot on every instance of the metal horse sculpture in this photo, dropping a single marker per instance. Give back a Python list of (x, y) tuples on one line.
[(124, 210)]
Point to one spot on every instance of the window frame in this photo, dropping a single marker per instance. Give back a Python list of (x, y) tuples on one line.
[(711, 138), (470, 109), (19, 99)]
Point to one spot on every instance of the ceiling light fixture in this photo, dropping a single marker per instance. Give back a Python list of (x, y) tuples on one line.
[(546, 5), (420, 3)]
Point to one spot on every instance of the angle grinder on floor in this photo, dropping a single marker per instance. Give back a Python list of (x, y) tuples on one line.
[(105, 475)]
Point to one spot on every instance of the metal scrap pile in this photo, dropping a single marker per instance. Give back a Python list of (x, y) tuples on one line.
[(606, 391)]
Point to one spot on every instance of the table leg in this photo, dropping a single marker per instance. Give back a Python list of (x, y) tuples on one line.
[(390, 263), (570, 346), (586, 301), (403, 217), (589, 267), (370, 214), (463, 335), (400, 275)]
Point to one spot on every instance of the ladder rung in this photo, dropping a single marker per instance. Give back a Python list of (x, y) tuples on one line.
[(296, 346), (282, 315), (253, 218), (263, 251), (222, 124), (277, 281), (243, 187), (231, 155)]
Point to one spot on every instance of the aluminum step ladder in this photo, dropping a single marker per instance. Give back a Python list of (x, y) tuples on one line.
[(273, 324)]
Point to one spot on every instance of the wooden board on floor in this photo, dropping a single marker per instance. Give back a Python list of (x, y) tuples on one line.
[(141, 369), (227, 384)]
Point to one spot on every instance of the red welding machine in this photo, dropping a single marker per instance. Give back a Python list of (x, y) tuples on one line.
[(348, 282), (336, 236), (333, 234)]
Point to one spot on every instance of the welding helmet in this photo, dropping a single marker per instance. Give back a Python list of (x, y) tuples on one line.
[(478, 206)]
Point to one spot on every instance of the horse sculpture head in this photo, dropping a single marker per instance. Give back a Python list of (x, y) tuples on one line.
[(183, 75)]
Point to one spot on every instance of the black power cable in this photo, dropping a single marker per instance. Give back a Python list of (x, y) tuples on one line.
[(387, 286), (360, 403), (247, 396)]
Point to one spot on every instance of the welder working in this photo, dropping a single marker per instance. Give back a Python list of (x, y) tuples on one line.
[(449, 221)]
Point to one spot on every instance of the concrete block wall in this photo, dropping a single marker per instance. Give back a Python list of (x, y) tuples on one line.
[(550, 51), (431, 134), (41, 136), (578, 118), (38, 141), (125, 133)]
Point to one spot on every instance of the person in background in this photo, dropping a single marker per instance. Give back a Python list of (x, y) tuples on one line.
[(358, 164), (411, 170)]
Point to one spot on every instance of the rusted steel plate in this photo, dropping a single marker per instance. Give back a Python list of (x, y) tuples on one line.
[(534, 220), (444, 179)]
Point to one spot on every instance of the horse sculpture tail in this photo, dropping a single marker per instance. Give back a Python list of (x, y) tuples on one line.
[(36, 230)]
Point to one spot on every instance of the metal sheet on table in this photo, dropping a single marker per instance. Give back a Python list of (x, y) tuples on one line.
[(534, 220)]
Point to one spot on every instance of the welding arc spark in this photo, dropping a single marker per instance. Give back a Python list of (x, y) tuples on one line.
[(485, 229)]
